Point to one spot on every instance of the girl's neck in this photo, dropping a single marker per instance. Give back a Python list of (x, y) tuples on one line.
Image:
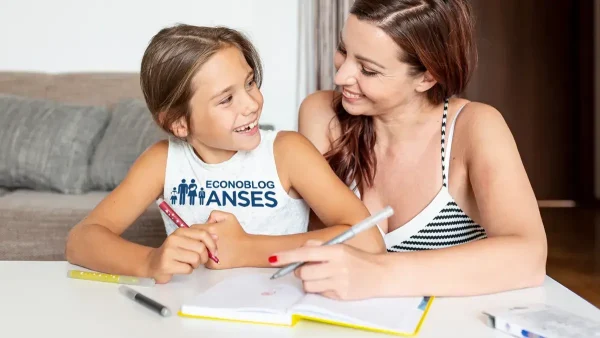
[(210, 155)]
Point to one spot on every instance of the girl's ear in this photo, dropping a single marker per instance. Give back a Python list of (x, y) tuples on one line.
[(425, 82), (180, 128)]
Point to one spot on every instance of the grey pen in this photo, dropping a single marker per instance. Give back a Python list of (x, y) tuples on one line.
[(145, 301), (346, 235)]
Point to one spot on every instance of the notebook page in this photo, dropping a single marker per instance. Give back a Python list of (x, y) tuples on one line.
[(253, 292), (392, 314)]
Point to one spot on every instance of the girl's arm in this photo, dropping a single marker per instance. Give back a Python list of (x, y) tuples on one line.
[(307, 173), (302, 168), (96, 241)]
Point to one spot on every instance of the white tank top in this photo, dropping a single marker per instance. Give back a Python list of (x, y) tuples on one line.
[(247, 185)]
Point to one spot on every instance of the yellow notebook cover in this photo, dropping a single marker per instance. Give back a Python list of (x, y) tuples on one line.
[(254, 298)]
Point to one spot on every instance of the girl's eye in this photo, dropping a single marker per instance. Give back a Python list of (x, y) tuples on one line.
[(367, 72), (227, 100), (251, 83)]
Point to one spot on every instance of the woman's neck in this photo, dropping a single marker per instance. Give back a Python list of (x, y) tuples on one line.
[(405, 123)]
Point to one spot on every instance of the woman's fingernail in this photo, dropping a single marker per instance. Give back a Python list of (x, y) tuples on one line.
[(273, 259)]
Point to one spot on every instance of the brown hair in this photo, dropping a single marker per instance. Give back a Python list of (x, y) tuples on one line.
[(433, 35), (173, 57)]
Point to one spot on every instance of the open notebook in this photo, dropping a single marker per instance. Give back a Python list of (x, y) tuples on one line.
[(257, 299)]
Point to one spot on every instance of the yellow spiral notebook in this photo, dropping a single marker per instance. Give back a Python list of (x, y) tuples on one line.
[(254, 298)]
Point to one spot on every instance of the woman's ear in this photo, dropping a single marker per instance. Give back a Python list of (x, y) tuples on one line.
[(425, 82)]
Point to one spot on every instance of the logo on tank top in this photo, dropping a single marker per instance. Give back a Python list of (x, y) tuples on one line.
[(257, 194)]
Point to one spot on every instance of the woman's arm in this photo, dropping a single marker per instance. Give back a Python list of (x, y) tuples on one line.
[(514, 254), (96, 241), (513, 257)]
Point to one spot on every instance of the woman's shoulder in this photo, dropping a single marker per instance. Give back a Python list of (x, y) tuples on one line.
[(477, 117), (317, 119), (480, 125)]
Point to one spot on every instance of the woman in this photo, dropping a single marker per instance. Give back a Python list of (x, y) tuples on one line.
[(449, 167)]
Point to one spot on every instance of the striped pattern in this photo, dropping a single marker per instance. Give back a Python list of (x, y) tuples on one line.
[(451, 226)]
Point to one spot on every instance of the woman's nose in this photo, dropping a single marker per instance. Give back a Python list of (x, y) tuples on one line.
[(346, 75)]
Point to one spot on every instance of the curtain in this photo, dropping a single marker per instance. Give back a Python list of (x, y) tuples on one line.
[(320, 24)]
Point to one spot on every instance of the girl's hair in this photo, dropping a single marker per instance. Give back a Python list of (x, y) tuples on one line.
[(173, 57), (433, 35)]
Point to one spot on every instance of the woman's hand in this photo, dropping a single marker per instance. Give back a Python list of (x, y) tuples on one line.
[(183, 251), (231, 240), (336, 271)]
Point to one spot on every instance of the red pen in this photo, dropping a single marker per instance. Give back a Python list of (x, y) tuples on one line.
[(166, 208)]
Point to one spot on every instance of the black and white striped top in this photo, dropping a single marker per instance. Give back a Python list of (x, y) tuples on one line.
[(442, 223)]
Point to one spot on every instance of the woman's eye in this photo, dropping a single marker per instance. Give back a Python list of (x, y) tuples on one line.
[(341, 49), (251, 83), (367, 72)]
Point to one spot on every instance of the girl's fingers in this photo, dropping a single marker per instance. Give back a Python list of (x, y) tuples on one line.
[(203, 236), (180, 266), (192, 258), (191, 244)]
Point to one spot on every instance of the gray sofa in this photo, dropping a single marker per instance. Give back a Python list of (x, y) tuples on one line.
[(67, 140), (62, 149)]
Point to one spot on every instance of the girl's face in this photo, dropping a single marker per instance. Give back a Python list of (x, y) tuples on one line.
[(370, 74), (226, 107)]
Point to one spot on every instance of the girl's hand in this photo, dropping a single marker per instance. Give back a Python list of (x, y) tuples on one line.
[(183, 251), (231, 240), (335, 271)]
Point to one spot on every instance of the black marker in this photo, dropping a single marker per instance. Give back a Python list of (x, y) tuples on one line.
[(147, 302)]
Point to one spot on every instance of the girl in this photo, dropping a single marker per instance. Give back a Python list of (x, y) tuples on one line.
[(201, 85)]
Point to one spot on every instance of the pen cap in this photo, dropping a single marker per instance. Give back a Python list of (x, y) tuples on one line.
[(128, 292)]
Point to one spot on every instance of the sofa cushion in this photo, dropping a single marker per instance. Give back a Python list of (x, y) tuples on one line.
[(34, 225), (46, 145), (131, 130)]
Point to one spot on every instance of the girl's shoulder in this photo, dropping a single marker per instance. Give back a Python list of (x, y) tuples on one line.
[(317, 119)]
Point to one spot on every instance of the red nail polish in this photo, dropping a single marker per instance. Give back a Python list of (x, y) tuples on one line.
[(273, 259)]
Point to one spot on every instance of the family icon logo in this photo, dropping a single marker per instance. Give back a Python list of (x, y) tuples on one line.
[(221, 193)]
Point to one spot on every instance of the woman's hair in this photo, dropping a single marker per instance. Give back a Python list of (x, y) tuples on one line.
[(173, 57), (433, 35)]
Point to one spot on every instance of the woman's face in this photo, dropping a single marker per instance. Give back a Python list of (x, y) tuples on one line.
[(370, 74)]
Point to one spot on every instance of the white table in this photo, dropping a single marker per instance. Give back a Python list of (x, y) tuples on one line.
[(38, 300)]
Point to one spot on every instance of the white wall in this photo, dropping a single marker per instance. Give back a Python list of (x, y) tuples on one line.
[(111, 35)]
